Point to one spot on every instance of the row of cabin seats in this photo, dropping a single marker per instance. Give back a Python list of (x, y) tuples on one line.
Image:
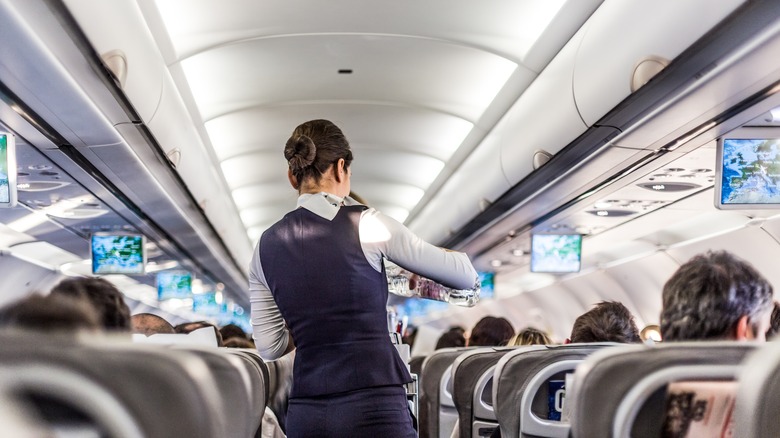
[(114, 388), (615, 390)]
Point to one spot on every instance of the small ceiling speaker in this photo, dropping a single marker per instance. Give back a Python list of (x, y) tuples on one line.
[(541, 158), (645, 69), (116, 62)]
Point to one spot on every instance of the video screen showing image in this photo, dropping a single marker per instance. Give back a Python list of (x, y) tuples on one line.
[(5, 185), (556, 253), (117, 254), (750, 171), (486, 281), (174, 284)]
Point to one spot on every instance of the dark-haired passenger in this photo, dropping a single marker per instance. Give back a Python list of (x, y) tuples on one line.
[(713, 296), (452, 338), (491, 332), (104, 296), (608, 321), (51, 314), (774, 323), (232, 331), (150, 324)]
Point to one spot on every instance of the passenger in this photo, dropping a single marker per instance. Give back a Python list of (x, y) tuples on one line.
[(530, 336), (452, 338), (52, 314), (608, 321), (774, 322), (188, 327), (236, 342), (104, 296), (491, 332), (716, 296), (232, 331), (319, 272), (150, 324)]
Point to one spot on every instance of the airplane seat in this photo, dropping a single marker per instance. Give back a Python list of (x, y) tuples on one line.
[(17, 417), (621, 392), (415, 364), (232, 379), (758, 394), (120, 388), (433, 369), (471, 377), (529, 388), (280, 377), (256, 385)]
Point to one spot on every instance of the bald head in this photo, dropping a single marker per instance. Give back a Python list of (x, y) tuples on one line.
[(150, 324)]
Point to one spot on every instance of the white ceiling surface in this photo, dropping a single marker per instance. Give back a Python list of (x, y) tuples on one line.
[(424, 74)]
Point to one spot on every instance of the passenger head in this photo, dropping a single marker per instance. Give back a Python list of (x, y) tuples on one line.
[(188, 327), (716, 296), (609, 321), (104, 296), (491, 332), (315, 149), (452, 338), (531, 336), (774, 322), (52, 313), (149, 324), (231, 331), (235, 342)]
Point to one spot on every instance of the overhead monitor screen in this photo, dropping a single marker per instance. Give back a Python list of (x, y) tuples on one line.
[(556, 253), (174, 284), (7, 170), (118, 254), (486, 280), (748, 173)]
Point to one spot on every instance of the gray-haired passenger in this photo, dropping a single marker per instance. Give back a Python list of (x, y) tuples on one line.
[(716, 295)]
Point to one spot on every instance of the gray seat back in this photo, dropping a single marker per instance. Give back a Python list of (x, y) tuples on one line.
[(521, 387), (257, 372), (471, 374), (621, 392), (233, 383), (145, 390), (758, 395), (433, 369)]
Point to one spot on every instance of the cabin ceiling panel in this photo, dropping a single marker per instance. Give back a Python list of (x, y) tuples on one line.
[(518, 29), (266, 193), (402, 127), (385, 69)]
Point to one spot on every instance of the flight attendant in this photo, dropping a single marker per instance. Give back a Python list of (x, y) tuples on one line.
[(317, 285)]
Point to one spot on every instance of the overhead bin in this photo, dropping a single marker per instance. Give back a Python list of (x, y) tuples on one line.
[(621, 35), (119, 27), (545, 117)]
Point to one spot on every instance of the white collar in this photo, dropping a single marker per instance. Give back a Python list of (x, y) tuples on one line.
[(324, 204)]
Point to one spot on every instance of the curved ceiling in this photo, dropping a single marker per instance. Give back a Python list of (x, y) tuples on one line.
[(406, 82)]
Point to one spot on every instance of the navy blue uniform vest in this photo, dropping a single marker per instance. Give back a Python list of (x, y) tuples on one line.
[(333, 301)]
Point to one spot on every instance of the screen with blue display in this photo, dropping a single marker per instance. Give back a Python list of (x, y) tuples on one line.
[(556, 253), (748, 173), (174, 284), (118, 254)]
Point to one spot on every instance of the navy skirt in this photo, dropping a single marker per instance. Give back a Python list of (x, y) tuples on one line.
[(371, 413)]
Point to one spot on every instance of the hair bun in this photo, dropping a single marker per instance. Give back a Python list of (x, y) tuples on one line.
[(300, 152)]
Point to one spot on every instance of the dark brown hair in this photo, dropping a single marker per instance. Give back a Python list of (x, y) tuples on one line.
[(313, 147), (491, 332), (608, 321), (104, 296)]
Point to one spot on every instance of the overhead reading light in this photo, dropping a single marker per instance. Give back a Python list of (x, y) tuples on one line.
[(496, 263), (612, 213), (668, 186), (518, 252), (40, 186)]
